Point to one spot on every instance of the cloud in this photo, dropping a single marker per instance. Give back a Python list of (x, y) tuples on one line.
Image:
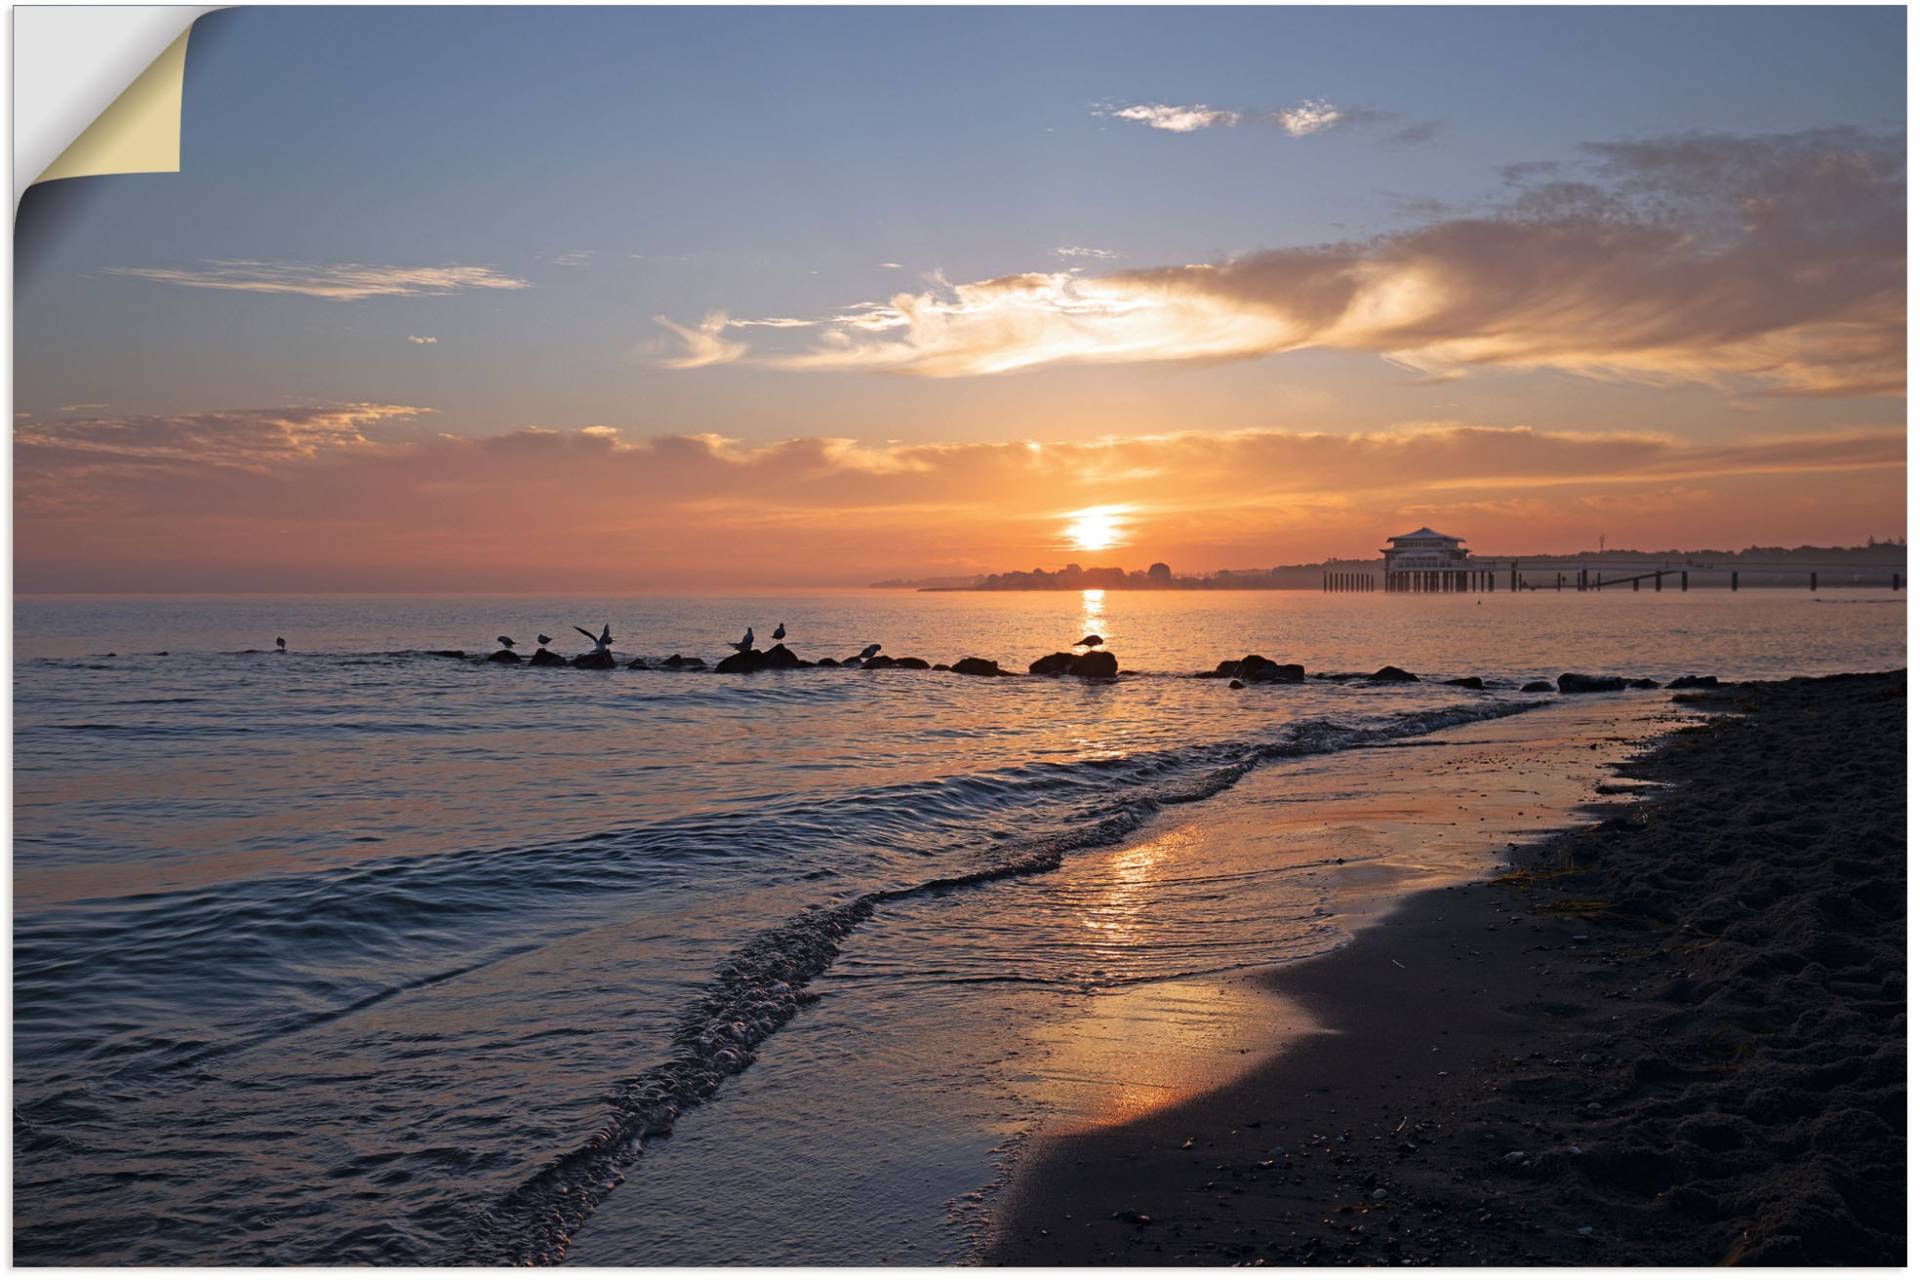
[(1772, 264), (890, 266), (1084, 251), (1309, 117), (575, 258), (418, 341), (1173, 119), (325, 498), (1312, 115), (344, 282), (705, 345)]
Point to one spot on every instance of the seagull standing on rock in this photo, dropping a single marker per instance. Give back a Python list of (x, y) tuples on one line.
[(602, 642), (780, 632), (280, 642), (506, 642), (869, 651), (744, 643), (1090, 642), (544, 639)]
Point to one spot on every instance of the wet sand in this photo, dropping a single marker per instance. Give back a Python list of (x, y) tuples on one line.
[(1674, 1037)]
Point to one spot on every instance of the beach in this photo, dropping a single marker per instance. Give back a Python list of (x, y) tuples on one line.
[(1675, 1037)]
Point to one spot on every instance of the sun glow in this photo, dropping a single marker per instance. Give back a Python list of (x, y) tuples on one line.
[(1096, 528)]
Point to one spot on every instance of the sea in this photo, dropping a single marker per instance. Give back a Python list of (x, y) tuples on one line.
[(367, 953)]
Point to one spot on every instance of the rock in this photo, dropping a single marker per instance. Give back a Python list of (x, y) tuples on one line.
[(1250, 667), (827, 662), (676, 662), (546, 658), (1394, 675), (638, 664), (1574, 682), (855, 661), (435, 653), (1643, 683), (1095, 665), (734, 663), (505, 655), (941, 666), (1235, 684), (912, 664), (977, 667), (1694, 682), (1467, 682), (879, 662), (1054, 664), (781, 658), (595, 662), (1256, 667), (1536, 686)]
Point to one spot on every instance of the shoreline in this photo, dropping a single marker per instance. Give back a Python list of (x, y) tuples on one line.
[(1675, 1037)]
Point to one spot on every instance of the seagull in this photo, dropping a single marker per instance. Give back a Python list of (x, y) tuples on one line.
[(1090, 642), (745, 643), (281, 643), (601, 642), (544, 639), (506, 642), (869, 651), (780, 632)]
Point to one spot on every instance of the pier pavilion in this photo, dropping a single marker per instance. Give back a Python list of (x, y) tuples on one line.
[(1426, 560)]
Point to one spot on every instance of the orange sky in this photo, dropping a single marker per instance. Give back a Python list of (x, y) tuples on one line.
[(333, 500)]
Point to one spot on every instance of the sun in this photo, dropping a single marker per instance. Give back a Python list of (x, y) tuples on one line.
[(1096, 528)]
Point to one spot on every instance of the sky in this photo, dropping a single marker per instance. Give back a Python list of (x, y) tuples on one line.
[(655, 299)]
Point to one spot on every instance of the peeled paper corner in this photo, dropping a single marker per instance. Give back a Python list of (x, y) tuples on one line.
[(139, 132)]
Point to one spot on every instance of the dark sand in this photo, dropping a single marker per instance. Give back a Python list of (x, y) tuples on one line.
[(1677, 1037)]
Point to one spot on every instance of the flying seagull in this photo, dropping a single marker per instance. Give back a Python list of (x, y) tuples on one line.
[(780, 632), (869, 651), (281, 643), (544, 639), (1090, 642), (506, 642), (745, 643), (601, 642)]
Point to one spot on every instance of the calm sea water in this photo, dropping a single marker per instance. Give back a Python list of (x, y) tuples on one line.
[(360, 953)]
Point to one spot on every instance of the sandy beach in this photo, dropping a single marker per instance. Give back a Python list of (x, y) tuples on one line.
[(1675, 1037)]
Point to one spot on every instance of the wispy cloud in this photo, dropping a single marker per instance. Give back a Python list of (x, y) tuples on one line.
[(1307, 117), (419, 341), (1084, 251), (890, 266), (703, 345), (1159, 115), (575, 258), (1310, 116), (243, 438), (343, 282), (1772, 263)]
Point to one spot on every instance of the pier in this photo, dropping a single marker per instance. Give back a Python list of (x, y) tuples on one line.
[(1427, 562)]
